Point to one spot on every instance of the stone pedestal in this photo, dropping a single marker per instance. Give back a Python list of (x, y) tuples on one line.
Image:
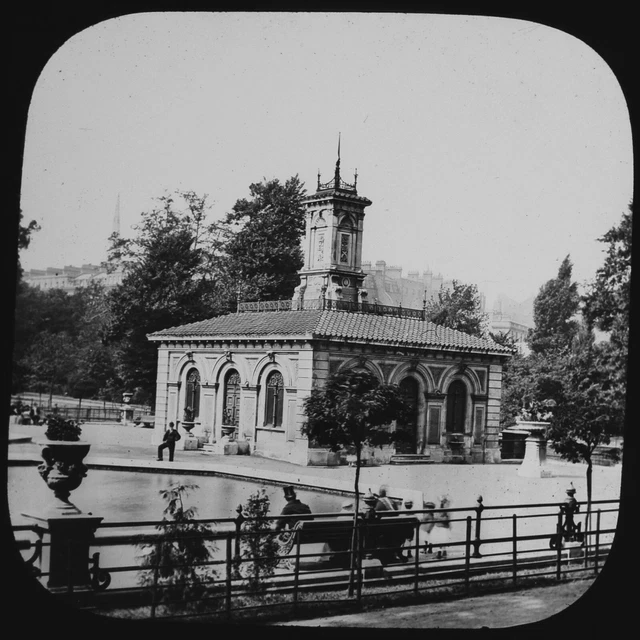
[(189, 442), (574, 549), (71, 537), (244, 447), (126, 415), (226, 447), (535, 455), (372, 568)]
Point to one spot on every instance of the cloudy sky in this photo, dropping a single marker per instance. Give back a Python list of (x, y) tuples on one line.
[(490, 147)]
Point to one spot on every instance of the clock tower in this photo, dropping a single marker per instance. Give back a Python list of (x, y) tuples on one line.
[(333, 242)]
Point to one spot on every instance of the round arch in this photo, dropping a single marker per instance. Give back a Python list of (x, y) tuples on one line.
[(362, 363)]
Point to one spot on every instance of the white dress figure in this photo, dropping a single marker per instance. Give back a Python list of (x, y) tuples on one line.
[(441, 532), (428, 521)]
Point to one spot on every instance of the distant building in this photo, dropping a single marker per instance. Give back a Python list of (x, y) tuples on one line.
[(70, 278), (386, 285), (513, 318)]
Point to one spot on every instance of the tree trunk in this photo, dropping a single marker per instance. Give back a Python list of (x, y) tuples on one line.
[(589, 491)]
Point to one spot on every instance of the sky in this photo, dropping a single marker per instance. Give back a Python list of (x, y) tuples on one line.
[(490, 147)]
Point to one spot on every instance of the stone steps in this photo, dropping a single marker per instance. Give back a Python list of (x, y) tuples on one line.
[(410, 458)]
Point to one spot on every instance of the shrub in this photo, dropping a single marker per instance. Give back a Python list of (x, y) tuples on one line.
[(60, 429)]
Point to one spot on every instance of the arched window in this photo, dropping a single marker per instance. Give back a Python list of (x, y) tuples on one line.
[(192, 396), (456, 406), (275, 400), (231, 409)]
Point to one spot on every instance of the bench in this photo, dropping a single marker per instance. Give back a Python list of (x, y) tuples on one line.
[(384, 539)]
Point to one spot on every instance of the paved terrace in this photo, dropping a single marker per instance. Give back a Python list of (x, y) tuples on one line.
[(130, 448)]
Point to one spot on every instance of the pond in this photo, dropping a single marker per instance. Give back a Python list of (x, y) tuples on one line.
[(130, 496)]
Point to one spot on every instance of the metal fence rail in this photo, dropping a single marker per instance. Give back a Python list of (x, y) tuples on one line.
[(528, 540)]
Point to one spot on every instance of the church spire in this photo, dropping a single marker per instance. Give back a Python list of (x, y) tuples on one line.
[(116, 218)]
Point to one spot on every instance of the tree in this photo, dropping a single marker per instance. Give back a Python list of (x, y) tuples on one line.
[(608, 300), (607, 303), (459, 308), (353, 410), (554, 311), (259, 241), (81, 316), (168, 281), (24, 239), (50, 358), (176, 561), (590, 410), (258, 547)]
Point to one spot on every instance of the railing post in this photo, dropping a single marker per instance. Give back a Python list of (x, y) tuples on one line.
[(416, 553), (154, 590), (597, 549), (69, 567), (296, 572), (515, 549), (467, 560), (228, 581), (359, 546), (477, 541), (238, 523), (559, 540)]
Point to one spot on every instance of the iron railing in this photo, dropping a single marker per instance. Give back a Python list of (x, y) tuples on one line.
[(504, 543), (323, 304)]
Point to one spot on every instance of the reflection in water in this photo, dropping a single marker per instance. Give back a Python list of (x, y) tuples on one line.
[(128, 496)]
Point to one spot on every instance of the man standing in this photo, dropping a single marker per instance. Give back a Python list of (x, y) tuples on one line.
[(293, 507), (171, 436)]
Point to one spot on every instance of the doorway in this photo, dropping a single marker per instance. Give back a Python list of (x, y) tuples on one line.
[(456, 406), (408, 431)]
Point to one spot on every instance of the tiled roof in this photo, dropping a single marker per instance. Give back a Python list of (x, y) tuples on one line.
[(359, 327)]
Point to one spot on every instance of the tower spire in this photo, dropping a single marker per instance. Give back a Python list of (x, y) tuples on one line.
[(337, 174)]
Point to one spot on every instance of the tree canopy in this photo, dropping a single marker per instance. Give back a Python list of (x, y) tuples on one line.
[(259, 241), (351, 410), (459, 308), (607, 304), (167, 282), (554, 311)]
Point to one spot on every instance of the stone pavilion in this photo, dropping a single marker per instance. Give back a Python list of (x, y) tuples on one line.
[(243, 377)]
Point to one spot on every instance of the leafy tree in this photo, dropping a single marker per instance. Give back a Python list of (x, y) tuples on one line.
[(353, 410), (459, 308), (554, 311), (81, 316), (167, 282), (50, 359), (258, 546), (607, 303), (24, 239), (176, 561), (259, 241), (590, 411)]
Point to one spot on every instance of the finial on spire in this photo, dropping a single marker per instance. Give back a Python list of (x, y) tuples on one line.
[(337, 174)]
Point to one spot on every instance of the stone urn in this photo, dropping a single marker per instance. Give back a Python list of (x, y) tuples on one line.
[(63, 470), (187, 426)]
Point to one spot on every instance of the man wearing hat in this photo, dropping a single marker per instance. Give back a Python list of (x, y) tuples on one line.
[(293, 507)]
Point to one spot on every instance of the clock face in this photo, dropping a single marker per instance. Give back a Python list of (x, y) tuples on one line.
[(346, 282)]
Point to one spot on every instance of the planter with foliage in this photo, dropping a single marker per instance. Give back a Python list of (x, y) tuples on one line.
[(63, 453)]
